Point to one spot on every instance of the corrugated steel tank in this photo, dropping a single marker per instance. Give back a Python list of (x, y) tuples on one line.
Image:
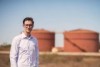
[(81, 40), (46, 39)]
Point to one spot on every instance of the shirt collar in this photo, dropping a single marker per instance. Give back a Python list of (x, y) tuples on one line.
[(24, 36)]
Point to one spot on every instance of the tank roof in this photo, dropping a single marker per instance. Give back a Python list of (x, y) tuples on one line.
[(80, 31)]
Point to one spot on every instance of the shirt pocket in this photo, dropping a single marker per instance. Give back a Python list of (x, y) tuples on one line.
[(32, 46)]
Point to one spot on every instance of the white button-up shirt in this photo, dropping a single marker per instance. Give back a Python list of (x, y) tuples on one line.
[(24, 51)]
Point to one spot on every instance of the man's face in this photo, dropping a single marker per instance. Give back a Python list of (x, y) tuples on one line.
[(28, 26)]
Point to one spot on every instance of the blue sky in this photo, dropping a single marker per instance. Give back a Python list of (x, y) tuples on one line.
[(52, 15)]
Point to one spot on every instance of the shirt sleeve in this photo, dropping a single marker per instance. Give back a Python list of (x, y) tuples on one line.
[(37, 55), (14, 53)]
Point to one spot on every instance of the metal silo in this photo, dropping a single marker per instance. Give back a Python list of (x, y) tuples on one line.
[(46, 39), (81, 40)]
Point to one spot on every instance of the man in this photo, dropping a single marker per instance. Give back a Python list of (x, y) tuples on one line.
[(24, 48)]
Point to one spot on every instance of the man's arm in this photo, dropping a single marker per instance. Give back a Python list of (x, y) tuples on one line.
[(37, 55), (14, 53)]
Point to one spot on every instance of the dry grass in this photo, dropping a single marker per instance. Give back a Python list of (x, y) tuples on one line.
[(54, 60), (5, 48), (58, 61), (69, 61)]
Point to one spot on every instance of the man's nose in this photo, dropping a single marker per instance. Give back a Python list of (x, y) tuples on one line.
[(28, 26)]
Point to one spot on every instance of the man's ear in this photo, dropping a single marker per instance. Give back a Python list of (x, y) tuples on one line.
[(33, 26), (23, 25)]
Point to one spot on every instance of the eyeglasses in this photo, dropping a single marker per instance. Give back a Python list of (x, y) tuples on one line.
[(30, 25)]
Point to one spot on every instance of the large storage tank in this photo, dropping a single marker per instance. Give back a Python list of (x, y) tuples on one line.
[(81, 40), (46, 39)]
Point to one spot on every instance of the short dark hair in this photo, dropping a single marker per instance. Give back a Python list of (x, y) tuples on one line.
[(29, 19)]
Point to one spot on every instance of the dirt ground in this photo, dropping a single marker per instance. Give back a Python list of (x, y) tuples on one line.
[(58, 61)]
